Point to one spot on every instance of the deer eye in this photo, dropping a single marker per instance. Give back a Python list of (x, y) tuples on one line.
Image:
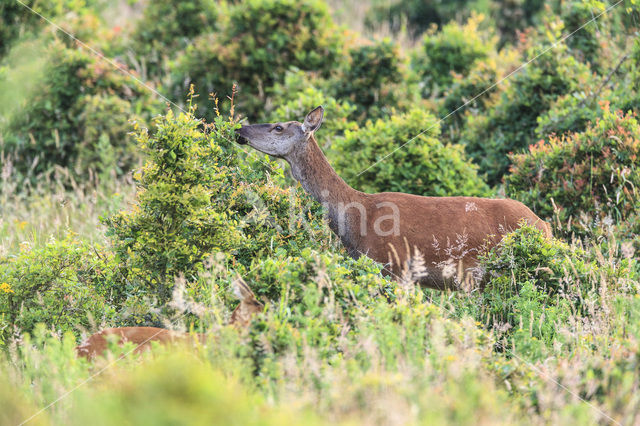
[(279, 128)]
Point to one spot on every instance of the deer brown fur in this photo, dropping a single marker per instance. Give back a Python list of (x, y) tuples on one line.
[(392, 228), (142, 337)]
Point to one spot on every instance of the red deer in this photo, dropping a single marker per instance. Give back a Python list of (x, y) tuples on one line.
[(447, 233), (142, 337)]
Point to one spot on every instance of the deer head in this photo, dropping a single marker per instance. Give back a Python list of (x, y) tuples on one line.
[(281, 139), (248, 306)]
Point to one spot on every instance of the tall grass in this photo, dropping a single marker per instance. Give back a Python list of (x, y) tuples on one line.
[(425, 358), (57, 204)]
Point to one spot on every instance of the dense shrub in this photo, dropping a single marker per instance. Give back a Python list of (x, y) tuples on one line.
[(169, 25), (512, 17), (196, 198), (424, 166), (364, 94), (323, 296), (308, 276), (534, 284), (296, 81), (452, 51), (79, 109), (584, 43), (374, 93), (618, 84), (66, 285), (590, 176), (465, 89), (568, 113), (260, 41), (626, 94), (17, 21), (416, 15), (510, 125)]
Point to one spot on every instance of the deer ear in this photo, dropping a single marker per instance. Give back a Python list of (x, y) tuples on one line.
[(313, 120), (241, 290)]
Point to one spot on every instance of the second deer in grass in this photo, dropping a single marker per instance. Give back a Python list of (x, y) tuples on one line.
[(447, 233), (142, 337)]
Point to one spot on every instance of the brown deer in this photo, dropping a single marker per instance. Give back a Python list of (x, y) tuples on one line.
[(444, 234), (142, 337)]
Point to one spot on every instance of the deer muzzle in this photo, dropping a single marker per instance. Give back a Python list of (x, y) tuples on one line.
[(240, 137)]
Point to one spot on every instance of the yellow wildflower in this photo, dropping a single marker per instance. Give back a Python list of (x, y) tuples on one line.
[(6, 288), (21, 224)]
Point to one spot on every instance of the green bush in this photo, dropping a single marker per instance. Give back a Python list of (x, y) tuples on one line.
[(317, 297), (452, 51), (626, 94), (359, 93), (533, 285), (512, 17), (568, 113), (465, 89), (589, 176), (416, 15), (584, 44), (167, 26), (510, 125), (197, 197), (66, 285), (260, 42), (17, 21), (374, 93), (618, 83), (296, 81), (424, 166), (80, 109)]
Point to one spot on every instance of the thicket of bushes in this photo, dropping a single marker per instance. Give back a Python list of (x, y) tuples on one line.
[(424, 166), (454, 50), (535, 284), (374, 94), (510, 125), (589, 177), (17, 22), (258, 43), (66, 285), (414, 15), (167, 26), (78, 118), (337, 113)]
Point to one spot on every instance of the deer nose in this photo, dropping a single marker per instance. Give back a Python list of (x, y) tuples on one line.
[(240, 138)]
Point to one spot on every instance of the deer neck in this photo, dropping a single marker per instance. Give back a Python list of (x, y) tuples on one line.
[(310, 167)]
